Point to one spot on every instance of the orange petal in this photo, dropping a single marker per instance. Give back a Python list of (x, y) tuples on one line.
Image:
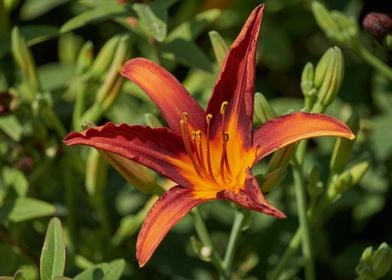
[(158, 149), (251, 197), (165, 91), (290, 128), (164, 214), (237, 77)]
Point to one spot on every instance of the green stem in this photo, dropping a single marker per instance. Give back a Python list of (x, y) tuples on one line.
[(307, 250), (205, 239), (374, 61), (291, 250), (300, 194), (239, 219)]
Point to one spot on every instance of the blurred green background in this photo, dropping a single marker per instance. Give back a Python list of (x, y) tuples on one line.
[(57, 71)]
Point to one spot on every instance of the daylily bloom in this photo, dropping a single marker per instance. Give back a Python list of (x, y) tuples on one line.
[(209, 154)]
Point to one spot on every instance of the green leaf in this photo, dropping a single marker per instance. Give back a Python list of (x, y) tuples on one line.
[(103, 271), (16, 178), (52, 261), (187, 53), (35, 8), (189, 30), (97, 14), (153, 18), (33, 34), (11, 126), (29, 208)]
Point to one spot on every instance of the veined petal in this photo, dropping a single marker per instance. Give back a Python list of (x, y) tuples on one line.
[(165, 91), (290, 128), (164, 214), (237, 76), (251, 197), (158, 149)]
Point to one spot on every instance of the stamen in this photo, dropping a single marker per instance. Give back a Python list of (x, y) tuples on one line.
[(224, 160), (199, 148), (223, 107), (208, 120), (187, 143)]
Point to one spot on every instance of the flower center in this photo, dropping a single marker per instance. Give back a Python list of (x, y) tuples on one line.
[(209, 160)]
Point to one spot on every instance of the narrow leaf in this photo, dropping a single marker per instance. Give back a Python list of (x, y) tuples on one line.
[(153, 17), (29, 208), (53, 252), (32, 9)]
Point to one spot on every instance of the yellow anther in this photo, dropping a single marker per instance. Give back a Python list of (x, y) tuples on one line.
[(185, 115), (223, 107)]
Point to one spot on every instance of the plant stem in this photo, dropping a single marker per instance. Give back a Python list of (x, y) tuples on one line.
[(205, 239), (300, 194), (374, 61), (233, 240), (291, 249)]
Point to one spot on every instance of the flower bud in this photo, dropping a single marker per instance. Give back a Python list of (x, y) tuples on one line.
[(281, 157), (324, 18), (219, 46), (343, 147), (347, 179), (263, 110), (95, 172), (24, 59), (382, 260), (378, 24), (328, 77), (307, 85), (85, 57), (104, 58), (273, 179)]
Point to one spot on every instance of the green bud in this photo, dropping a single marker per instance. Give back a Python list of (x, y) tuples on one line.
[(382, 260), (69, 46), (307, 85), (363, 269), (347, 179), (104, 58), (281, 157), (324, 18), (263, 110), (11, 4), (388, 41), (24, 59), (152, 120), (95, 172), (328, 77), (85, 57), (18, 275), (343, 148), (219, 46), (273, 179)]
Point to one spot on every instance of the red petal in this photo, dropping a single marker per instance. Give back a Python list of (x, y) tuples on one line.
[(164, 214), (165, 91), (158, 148), (251, 198), (290, 128), (236, 81)]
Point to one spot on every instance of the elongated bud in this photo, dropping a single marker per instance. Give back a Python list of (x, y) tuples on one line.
[(95, 172), (69, 46), (336, 25), (273, 179), (152, 121), (382, 260), (307, 85), (263, 110), (281, 157), (328, 77), (104, 58), (85, 57), (24, 59), (364, 269), (219, 46), (347, 179), (343, 148)]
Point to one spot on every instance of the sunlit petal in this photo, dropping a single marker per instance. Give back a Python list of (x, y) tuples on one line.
[(157, 148), (163, 215), (290, 128), (165, 91)]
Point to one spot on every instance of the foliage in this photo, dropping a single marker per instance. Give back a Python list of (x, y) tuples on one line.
[(65, 212)]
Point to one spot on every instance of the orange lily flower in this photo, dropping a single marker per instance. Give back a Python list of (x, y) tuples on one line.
[(209, 154)]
